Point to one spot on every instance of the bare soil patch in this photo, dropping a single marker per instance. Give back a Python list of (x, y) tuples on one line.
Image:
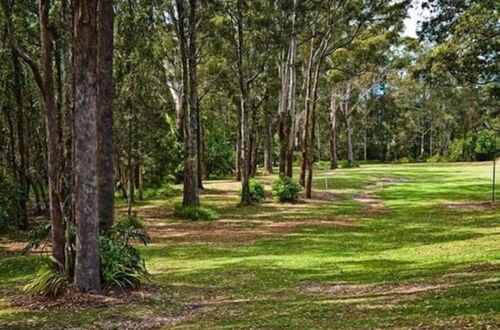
[(384, 183), (153, 322), (373, 204), (478, 206), (227, 230), (346, 290), (75, 300)]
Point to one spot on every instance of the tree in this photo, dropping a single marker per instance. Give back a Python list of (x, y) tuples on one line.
[(105, 168), (87, 266)]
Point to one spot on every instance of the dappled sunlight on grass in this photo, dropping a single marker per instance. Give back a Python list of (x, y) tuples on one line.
[(382, 231)]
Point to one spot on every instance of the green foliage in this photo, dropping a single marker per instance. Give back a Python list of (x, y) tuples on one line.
[(456, 151), (403, 160), (48, 282), (435, 159), (164, 191), (257, 191), (121, 264), (219, 155), (345, 164), (38, 236), (481, 145), (9, 199), (195, 212), (131, 221), (486, 145), (286, 190)]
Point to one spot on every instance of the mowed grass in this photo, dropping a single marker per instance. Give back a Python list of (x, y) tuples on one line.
[(377, 247)]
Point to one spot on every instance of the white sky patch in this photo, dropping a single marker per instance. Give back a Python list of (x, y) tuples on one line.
[(415, 15)]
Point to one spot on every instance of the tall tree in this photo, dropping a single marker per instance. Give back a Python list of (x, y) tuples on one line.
[(87, 267), (105, 168), (45, 84)]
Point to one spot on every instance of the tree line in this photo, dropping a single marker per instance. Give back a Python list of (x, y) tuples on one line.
[(105, 97)]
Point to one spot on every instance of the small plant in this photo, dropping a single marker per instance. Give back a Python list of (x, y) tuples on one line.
[(345, 164), (286, 190), (48, 282), (195, 213), (404, 160), (121, 264), (38, 236), (131, 221), (257, 192)]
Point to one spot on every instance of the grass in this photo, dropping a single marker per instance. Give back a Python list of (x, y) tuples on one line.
[(402, 259)]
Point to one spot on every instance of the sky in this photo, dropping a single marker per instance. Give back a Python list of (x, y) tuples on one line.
[(411, 23)]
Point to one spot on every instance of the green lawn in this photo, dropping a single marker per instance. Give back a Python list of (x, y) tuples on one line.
[(384, 246)]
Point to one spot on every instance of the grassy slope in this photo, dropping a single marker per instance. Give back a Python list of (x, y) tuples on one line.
[(250, 276)]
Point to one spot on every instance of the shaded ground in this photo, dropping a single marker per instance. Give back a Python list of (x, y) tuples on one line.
[(387, 246)]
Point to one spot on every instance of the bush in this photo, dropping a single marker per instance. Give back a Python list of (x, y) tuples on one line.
[(345, 164), (38, 236), (47, 282), (218, 155), (286, 190), (131, 221), (257, 192), (195, 213), (121, 264), (435, 159), (9, 202), (403, 160), (456, 151), (164, 191)]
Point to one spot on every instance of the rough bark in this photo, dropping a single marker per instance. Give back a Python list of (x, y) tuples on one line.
[(188, 52), (286, 111), (348, 130), (53, 151), (333, 133), (243, 85), (22, 168), (105, 173), (87, 267), (268, 149), (45, 85)]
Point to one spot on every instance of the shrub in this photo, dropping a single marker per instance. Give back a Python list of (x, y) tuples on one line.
[(47, 282), (9, 201), (131, 221), (403, 160), (434, 159), (38, 236), (218, 155), (456, 151), (257, 192), (345, 164), (195, 213), (121, 264), (285, 189), (165, 191)]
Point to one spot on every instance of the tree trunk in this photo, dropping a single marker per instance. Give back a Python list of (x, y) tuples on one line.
[(105, 174), (53, 151), (130, 170), (22, 169), (333, 133), (87, 268), (190, 99), (238, 153), (243, 84), (365, 151), (286, 112), (310, 133), (350, 155), (268, 149), (307, 116)]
